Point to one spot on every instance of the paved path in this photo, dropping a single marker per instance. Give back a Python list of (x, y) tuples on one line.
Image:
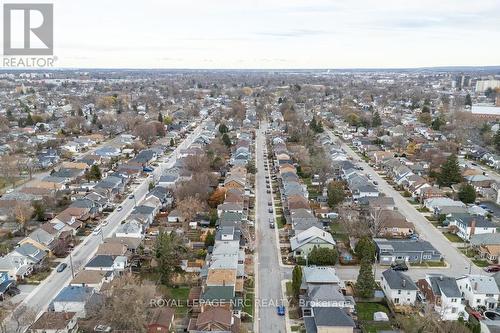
[(39, 299), (268, 271), (458, 263)]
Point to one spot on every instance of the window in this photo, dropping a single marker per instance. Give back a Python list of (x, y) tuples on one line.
[(399, 292), (396, 301), (478, 301), (453, 310)]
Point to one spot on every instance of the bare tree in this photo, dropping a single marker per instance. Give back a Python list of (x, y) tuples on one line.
[(125, 308), (189, 207), (22, 213)]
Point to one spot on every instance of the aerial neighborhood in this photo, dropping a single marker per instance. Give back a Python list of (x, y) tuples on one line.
[(308, 201)]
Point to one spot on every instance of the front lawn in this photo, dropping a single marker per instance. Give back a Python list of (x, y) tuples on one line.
[(480, 262), (453, 238)]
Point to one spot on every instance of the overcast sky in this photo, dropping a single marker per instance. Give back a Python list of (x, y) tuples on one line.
[(276, 33)]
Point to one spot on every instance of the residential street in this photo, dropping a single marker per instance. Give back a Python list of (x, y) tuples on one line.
[(39, 299), (269, 273), (458, 263)]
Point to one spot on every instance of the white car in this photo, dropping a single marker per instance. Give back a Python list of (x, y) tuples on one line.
[(119, 208), (104, 223), (97, 230)]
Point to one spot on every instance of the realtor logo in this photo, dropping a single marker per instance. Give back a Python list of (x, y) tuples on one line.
[(28, 29)]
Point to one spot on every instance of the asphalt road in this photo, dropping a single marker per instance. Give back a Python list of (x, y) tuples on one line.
[(39, 299), (268, 270), (458, 264)]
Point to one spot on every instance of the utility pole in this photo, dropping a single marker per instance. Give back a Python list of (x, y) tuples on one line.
[(71, 264)]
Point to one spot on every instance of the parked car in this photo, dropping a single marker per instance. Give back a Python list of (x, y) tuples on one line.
[(268, 191), (131, 196), (280, 310), (271, 223), (62, 267), (13, 291), (97, 230), (269, 203), (399, 267), (270, 210), (492, 269), (119, 208)]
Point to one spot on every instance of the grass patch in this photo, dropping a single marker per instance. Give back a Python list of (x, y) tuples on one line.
[(366, 310), (480, 262), (453, 238), (289, 291), (429, 264), (423, 209), (375, 327), (248, 304), (180, 295)]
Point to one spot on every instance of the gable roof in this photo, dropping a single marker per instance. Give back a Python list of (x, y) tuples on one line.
[(398, 280), (309, 235)]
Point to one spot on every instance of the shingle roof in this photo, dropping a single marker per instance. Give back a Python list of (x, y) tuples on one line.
[(398, 280), (332, 317), (444, 285)]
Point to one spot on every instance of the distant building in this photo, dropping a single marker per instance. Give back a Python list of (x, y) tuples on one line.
[(483, 85)]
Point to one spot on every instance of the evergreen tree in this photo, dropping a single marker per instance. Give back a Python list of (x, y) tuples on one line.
[(468, 100), (322, 256), (437, 123), (296, 280), (29, 120), (365, 249), (365, 283), (467, 194), (450, 172), (160, 117), (376, 121), (210, 239), (94, 119), (226, 140), (94, 173), (223, 128), (336, 194), (172, 142)]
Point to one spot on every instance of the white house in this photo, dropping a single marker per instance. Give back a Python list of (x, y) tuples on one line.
[(73, 299), (479, 291), (443, 293), (398, 287), (468, 225)]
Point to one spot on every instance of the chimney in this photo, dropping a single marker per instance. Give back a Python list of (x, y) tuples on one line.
[(403, 283), (440, 278), (475, 285), (472, 227)]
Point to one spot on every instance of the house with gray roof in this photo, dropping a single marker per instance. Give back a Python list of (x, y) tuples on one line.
[(33, 255), (328, 319), (407, 250), (303, 243), (398, 287), (73, 299), (479, 291), (443, 294), (467, 225)]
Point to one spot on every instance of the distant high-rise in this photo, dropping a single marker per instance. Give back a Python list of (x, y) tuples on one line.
[(483, 85)]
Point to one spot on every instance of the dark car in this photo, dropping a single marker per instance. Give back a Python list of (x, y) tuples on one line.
[(13, 291), (399, 267), (268, 191), (270, 210), (269, 203), (131, 196), (492, 269), (62, 267)]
